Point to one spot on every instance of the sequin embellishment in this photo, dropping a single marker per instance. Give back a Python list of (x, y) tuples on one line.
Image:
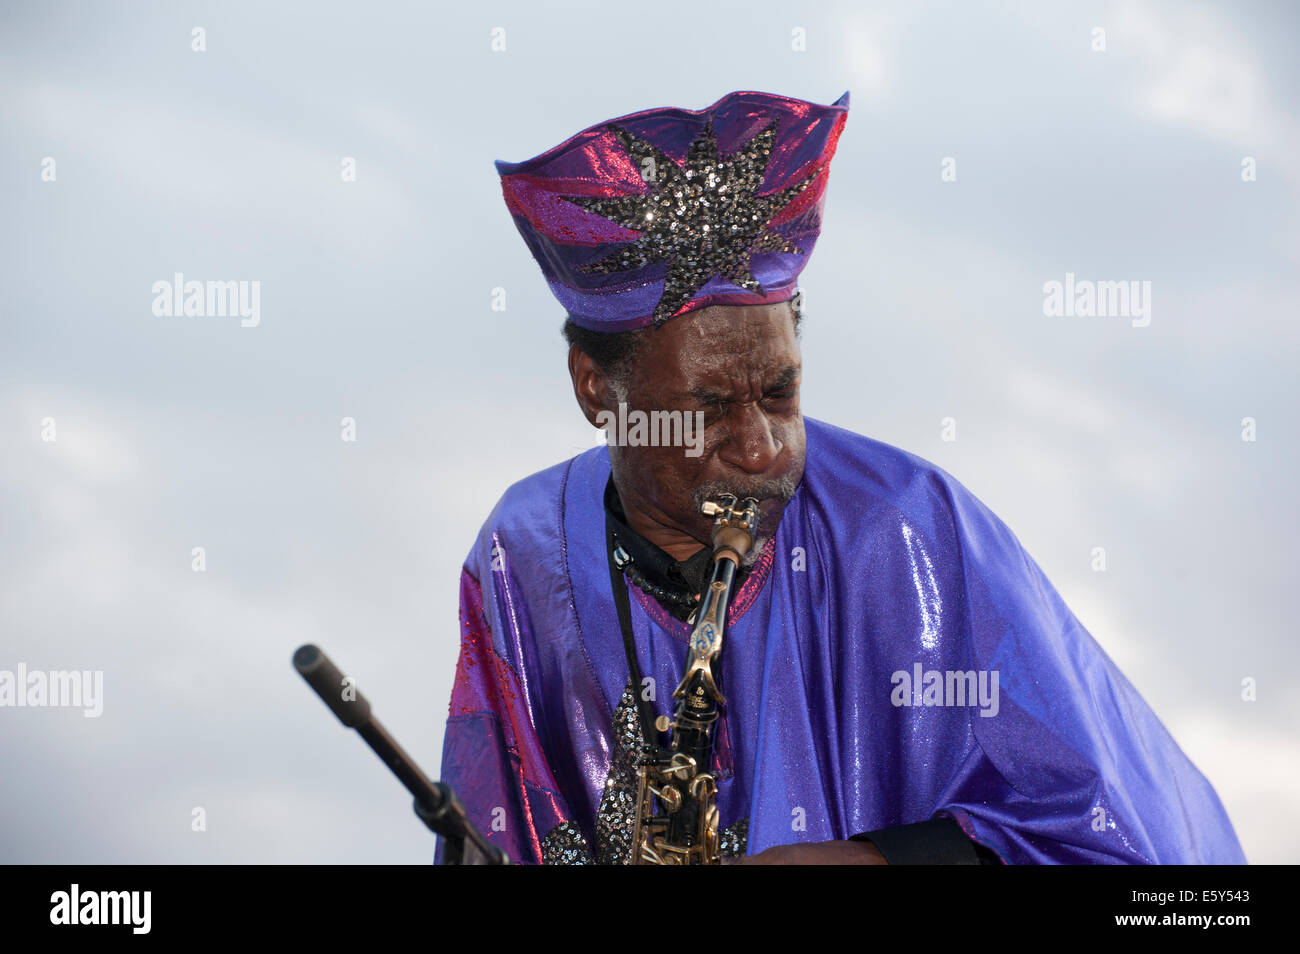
[(565, 844), (705, 219)]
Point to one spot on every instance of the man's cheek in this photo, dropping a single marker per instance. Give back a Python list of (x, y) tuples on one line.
[(794, 439), (672, 479), (714, 438)]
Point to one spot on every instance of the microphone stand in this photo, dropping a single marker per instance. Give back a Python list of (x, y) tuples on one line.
[(435, 803)]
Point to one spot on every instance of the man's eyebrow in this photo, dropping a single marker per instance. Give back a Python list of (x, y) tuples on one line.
[(707, 395), (785, 379)]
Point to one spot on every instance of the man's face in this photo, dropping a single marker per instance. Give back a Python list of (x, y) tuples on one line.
[(740, 367)]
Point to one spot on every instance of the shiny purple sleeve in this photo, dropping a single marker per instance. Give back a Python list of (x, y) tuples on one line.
[(1074, 767), (491, 756)]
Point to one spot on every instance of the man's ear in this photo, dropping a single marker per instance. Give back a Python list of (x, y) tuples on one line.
[(590, 386)]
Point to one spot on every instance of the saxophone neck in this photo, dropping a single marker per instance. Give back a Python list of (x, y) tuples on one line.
[(733, 535)]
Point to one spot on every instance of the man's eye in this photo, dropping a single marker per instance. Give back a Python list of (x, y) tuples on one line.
[(714, 410)]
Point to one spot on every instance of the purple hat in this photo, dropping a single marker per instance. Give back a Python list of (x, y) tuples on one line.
[(645, 217)]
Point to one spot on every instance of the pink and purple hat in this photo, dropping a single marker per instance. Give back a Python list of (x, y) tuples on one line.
[(648, 216)]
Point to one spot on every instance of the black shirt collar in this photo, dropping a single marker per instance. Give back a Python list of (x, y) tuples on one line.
[(654, 566)]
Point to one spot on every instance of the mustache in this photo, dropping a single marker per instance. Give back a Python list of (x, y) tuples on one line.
[(781, 488)]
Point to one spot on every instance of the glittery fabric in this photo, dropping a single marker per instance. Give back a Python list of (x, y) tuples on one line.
[(883, 565), (566, 846), (665, 211), (731, 841), (616, 816), (617, 812)]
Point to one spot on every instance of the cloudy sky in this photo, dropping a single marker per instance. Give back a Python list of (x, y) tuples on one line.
[(129, 156)]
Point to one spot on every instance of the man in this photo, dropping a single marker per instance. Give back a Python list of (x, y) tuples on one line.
[(903, 684)]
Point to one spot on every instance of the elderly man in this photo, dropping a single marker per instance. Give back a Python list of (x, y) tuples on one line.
[(902, 684)]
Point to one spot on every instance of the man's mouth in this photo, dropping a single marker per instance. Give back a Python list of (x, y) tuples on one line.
[(770, 494)]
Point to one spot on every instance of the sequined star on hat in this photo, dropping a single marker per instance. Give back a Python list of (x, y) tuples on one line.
[(703, 218)]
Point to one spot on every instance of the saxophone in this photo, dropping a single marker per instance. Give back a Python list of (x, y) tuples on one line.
[(676, 812)]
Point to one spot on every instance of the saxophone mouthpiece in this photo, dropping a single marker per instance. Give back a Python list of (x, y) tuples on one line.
[(715, 508)]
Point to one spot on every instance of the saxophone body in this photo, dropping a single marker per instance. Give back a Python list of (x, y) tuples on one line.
[(676, 811)]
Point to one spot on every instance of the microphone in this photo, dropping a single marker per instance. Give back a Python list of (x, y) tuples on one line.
[(323, 676), (435, 803)]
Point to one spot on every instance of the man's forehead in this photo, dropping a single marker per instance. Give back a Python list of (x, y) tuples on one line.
[(732, 344), (727, 327)]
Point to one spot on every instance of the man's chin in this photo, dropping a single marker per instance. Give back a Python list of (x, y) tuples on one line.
[(752, 556), (770, 512)]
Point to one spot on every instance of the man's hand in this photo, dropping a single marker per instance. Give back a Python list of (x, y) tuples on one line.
[(817, 853)]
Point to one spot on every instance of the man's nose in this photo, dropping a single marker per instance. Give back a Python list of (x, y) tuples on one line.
[(751, 445)]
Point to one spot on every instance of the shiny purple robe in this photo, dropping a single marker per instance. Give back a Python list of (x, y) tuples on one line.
[(883, 565)]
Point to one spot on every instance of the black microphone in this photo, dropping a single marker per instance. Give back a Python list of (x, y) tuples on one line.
[(435, 803), (322, 675)]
